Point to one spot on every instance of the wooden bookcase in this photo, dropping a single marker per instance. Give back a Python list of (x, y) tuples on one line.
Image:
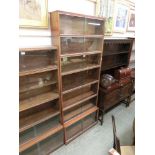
[(116, 54), (40, 121), (79, 39)]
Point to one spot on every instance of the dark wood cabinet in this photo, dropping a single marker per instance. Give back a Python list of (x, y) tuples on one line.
[(40, 122), (79, 39), (116, 54)]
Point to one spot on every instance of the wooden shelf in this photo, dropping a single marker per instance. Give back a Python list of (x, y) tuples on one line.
[(38, 70), (36, 118), (39, 138), (79, 117), (82, 53), (108, 53), (88, 67), (87, 83), (37, 100), (78, 100), (114, 66), (36, 86)]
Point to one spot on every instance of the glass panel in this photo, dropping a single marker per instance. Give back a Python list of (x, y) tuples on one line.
[(79, 62), (76, 96), (73, 130), (26, 135), (93, 44), (46, 146), (31, 151), (69, 114), (36, 59), (71, 25), (35, 81), (38, 114), (51, 143), (71, 45), (88, 104), (39, 129), (89, 120), (94, 27)]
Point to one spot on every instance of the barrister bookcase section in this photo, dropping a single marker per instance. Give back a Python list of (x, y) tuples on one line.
[(40, 124), (79, 39)]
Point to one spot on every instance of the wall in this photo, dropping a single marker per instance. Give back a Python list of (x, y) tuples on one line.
[(37, 37)]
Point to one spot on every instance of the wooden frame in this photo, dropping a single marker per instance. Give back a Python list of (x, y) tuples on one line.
[(131, 21), (33, 14), (74, 97), (43, 106)]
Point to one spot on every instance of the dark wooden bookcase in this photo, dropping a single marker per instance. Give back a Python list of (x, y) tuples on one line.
[(40, 121), (116, 54), (79, 39)]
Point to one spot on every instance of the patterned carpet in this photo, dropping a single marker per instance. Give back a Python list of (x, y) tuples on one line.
[(99, 139)]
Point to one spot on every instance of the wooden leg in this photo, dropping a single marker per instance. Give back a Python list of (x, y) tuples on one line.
[(101, 116)]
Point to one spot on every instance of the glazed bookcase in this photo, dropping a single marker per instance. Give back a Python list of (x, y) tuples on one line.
[(40, 121), (79, 39)]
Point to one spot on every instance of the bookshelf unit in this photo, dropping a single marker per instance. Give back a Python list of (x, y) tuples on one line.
[(116, 54), (79, 39), (40, 121)]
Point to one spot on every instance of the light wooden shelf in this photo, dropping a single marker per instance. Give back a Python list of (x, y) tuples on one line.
[(37, 100), (68, 104), (80, 116), (36, 118), (38, 70), (39, 138)]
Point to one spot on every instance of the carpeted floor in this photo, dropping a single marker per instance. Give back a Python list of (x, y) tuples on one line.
[(99, 139)]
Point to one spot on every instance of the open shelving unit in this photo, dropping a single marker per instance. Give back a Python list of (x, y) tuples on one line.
[(116, 54), (79, 39), (40, 121)]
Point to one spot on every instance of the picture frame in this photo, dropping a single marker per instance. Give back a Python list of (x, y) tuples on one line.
[(120, 17), (33, 13), (131, 21), (105, 8)]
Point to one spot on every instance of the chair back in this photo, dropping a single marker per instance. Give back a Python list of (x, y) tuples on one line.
[(116, 144)]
